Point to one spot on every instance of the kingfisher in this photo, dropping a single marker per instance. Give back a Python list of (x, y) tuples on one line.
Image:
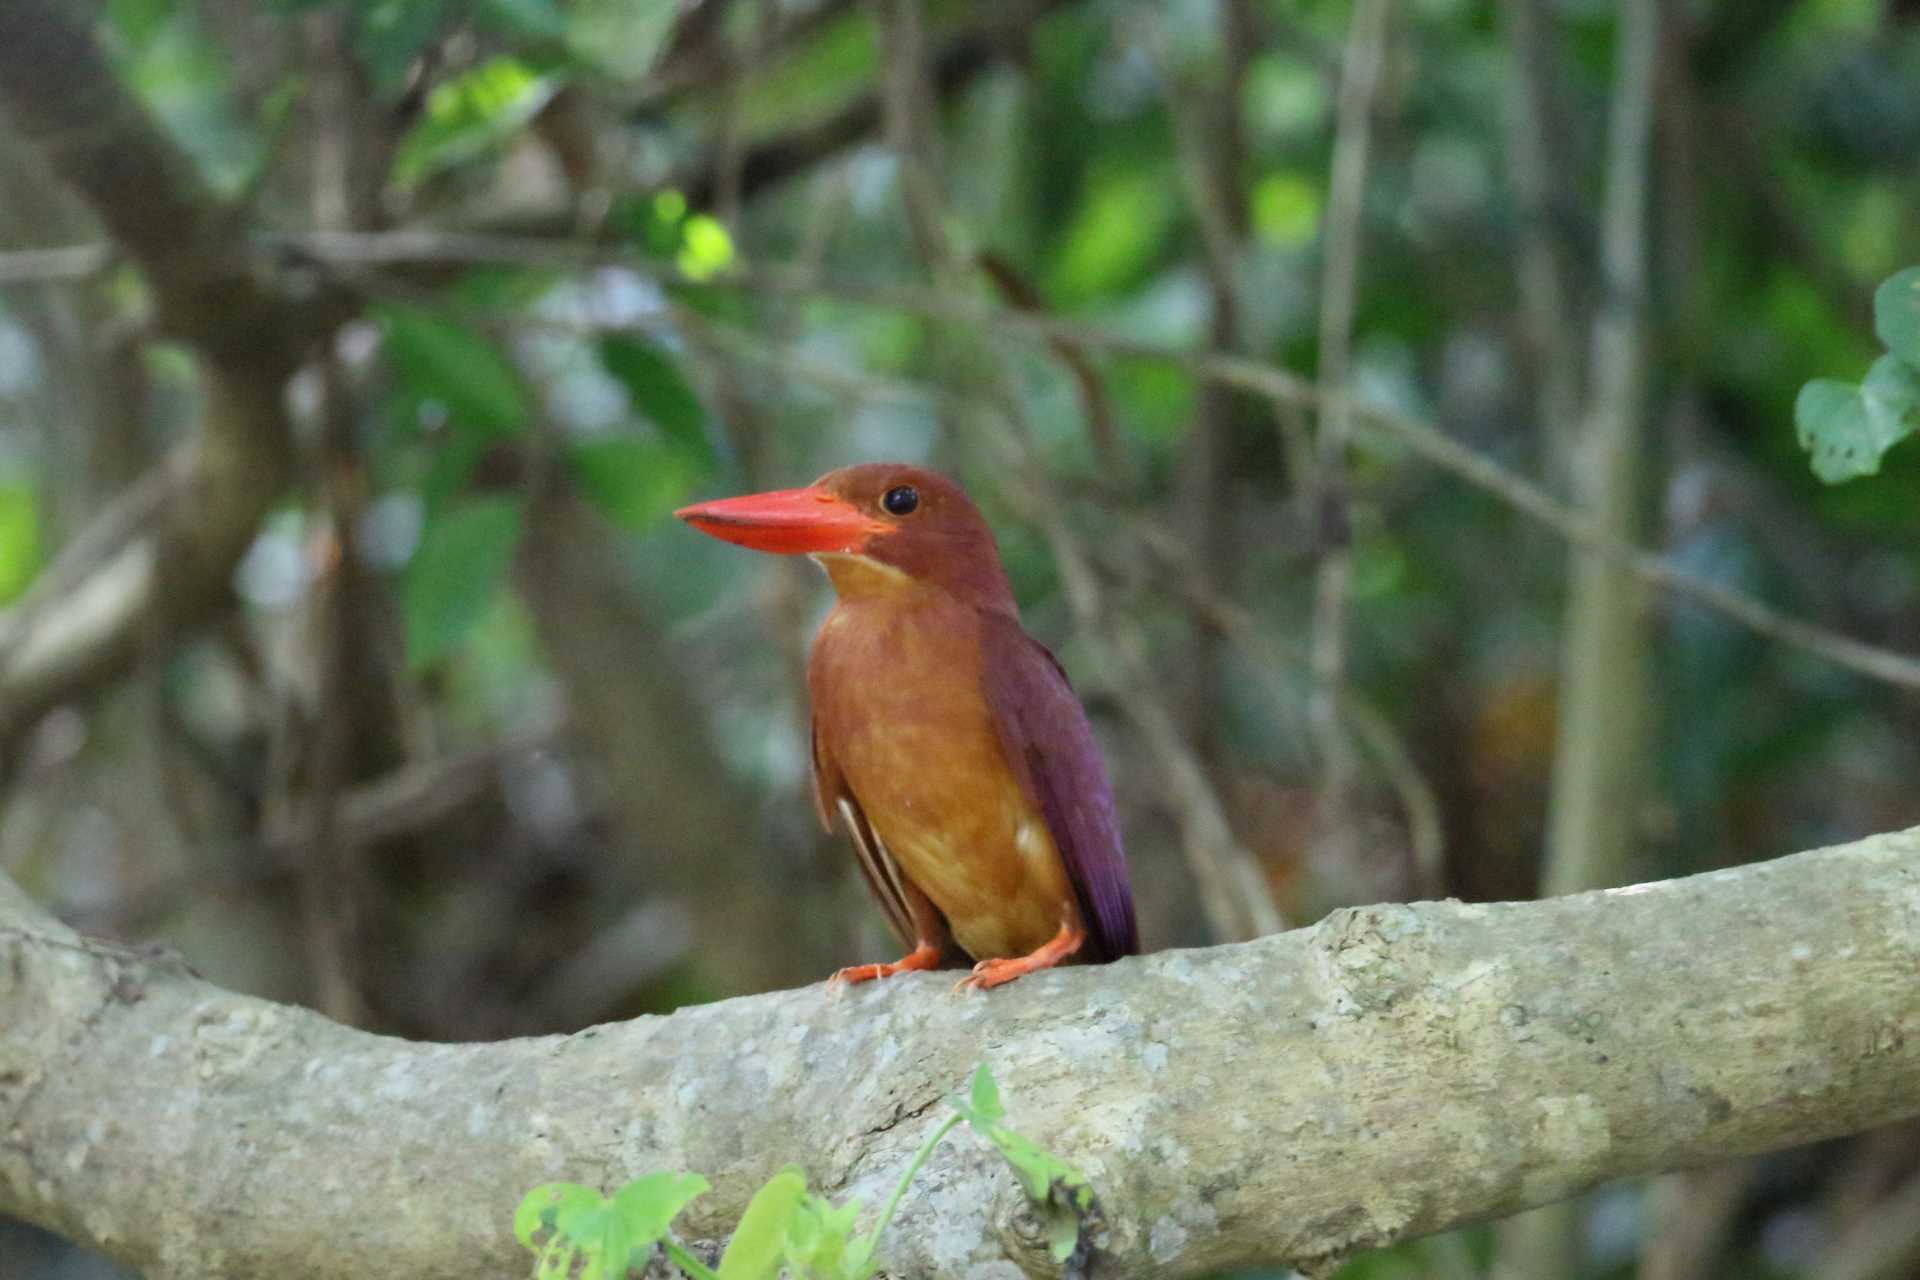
[(946, 740)]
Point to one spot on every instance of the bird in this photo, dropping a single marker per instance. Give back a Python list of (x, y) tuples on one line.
[(946, 740)]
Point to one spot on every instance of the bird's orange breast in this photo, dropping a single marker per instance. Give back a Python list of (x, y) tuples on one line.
[(900, 708)]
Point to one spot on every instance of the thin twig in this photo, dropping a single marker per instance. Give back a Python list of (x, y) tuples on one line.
[(1544, 290), (1425, 832), (1345, 222), (1603, 689), (1210, 154), (1095, 406), (63, 265)]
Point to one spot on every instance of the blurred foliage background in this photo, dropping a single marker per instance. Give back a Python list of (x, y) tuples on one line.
[(472, 740)]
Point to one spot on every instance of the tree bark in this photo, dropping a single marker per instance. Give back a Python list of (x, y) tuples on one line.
[(1390, 1072)]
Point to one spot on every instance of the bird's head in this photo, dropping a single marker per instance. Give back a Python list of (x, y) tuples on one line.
[(872, 526)]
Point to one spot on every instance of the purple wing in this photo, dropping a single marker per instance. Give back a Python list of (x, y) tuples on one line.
[(1047, 738)]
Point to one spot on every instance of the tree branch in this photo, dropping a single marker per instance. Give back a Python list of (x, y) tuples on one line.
[(1339, 290), (1390, 1072)]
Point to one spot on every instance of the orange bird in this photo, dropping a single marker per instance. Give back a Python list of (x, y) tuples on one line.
[(947, 739)]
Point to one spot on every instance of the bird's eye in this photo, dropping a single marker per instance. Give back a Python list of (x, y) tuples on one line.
[(901, 500)]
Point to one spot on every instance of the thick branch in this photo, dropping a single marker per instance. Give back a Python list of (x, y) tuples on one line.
[(1393, 1071)]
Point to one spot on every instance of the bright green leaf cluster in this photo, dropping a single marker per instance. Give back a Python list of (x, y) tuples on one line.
[(578, 1233), (1848, 427), (786, 1229), (470, 114)]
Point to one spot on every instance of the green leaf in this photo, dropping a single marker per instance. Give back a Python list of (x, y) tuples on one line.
[(455, 575), (705, 248), (443, 361), (657, 388), (542, 1208), (984, 1093), (1892, 395), (534, 19), (635, 483), (556, 1261), (650, 1204), (759, 1242), (390, 35), (1845, 436), (601, 1237), (138, 22), (471, 113), (819, 1236), (621, 37), (1121, 222), (185, 78), (1896, 314), (19, 539)]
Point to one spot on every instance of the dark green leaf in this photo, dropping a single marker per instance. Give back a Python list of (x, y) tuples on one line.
[(657, 388), (138, 21), (650, 1204), (443, 361), (391, 34), (759, 1242), (454, 576), (634, 482), (1896, 314), (1837, 428), (471, 113), (535, 19)]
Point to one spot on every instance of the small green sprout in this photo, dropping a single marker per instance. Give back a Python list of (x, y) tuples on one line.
[(576, 1233)]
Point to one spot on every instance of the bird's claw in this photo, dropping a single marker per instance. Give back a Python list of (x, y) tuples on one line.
[(855, 974), (988, 974)]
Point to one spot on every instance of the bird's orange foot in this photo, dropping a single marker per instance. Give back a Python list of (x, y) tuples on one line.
[(993, 973), (924, 956)]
